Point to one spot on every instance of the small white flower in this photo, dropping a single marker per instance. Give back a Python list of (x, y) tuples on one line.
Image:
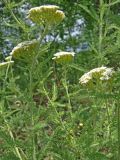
[(107, 74), (60, 54), (85, 78), (63, 56), (97, 74), (98, 70)]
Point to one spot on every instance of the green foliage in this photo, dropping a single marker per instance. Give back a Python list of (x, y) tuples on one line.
[(45, 113)]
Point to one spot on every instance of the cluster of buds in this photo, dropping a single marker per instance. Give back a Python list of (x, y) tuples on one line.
[(47, 15), (63, 57), (96, 75), (24, 50)]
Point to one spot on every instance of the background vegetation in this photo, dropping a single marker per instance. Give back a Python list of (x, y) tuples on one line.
[(45, 113)]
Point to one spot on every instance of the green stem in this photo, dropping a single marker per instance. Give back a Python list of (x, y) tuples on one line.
[(118, 111), (94, 124), (37, 49), (108, 117), (14, 17), (32, 67), (43, 34), (33, 142), (6, 75), (100, 60), (113, 3), (54, 107), (32, 111), (16, 150), (67, 91)]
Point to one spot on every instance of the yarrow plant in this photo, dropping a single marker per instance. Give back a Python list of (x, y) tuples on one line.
[(63, 57), (48, 15), (96, 75), (44, 111)]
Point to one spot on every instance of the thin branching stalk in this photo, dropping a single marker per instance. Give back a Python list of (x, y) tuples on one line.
[(54, 107), (14, 17), (38, 48), (113, 3)]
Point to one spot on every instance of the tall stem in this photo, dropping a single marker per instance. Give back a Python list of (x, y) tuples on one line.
[(31, 70), (108, 117), (118, 111), (32, 111), (67, 92), (100, 60), (37, 49)]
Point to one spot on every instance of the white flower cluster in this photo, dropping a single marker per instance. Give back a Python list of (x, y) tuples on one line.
[(102, 73), (25, 49), (107, 74), (46, 14), (63, 56)]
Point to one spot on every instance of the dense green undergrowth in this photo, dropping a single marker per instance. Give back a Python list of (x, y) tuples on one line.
[(46, 111)]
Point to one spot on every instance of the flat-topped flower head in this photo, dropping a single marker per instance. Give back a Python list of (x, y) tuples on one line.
[(101, 74), (25, 50), (63, 57), (47, 14)]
